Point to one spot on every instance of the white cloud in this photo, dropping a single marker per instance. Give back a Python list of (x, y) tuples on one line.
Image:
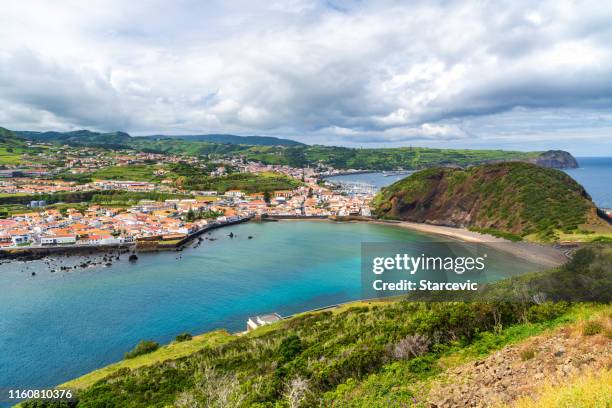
[(346, 72)]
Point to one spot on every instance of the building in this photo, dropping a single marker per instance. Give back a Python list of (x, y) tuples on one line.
[(58, 239), (20, 238), (258, 321), (234, 193)]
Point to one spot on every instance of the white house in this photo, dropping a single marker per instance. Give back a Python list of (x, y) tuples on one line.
[(234, 193), (258, 321), (58, 239)]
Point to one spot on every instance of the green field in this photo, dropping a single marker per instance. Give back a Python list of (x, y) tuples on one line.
[(9, 156), (169, 352), (247, 182), (128, 173)]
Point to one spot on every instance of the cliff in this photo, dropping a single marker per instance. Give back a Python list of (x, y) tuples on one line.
[(556, 159), (512, 198)]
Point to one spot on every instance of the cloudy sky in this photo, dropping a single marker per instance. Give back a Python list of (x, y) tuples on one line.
[(515, 75)]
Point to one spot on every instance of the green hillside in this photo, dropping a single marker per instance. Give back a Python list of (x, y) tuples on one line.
[(233, 139), (512, 199), (359, 355), (283, 151), (81, 138), (11, 147)]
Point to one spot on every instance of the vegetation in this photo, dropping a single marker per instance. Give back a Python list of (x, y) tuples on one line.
[(233, 139), (513, 200), (112, 197), (131, 173), (184, 337), (12, 147), (171, 351), (282, 151), (357, 355), (591, 390), (591, 328), (144, 347), (93, 196), (248, 182)]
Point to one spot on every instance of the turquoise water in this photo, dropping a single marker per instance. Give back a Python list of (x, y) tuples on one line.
[(595, 174), (56, 326)]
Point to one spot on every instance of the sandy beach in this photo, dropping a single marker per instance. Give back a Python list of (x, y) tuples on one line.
[(538, 253)]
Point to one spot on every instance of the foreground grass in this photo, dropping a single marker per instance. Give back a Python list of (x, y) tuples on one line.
[(171, 351), (588, 391), (407, 383)]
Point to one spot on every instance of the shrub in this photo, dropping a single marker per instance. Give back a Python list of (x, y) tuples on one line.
[(144, 347), (289, 348), (592, 328), (411, 346), (527, 353), (546, 311), (183, 337)]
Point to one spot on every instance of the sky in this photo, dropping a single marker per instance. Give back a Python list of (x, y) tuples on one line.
[(466, 74)]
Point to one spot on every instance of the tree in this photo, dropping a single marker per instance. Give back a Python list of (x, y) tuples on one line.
[(190, 215), (144, 347), (267, 196), (297, 392)]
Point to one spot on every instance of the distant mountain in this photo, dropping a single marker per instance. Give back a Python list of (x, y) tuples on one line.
[(512, 199), (233, 139), (10, 139), (122, 139), (81, 138)]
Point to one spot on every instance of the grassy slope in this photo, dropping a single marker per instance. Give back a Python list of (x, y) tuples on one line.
[(11, 147), (404, 382), (408, 157), (339, 157), (513, 200), (590, 390), (247, 182), (171, 351), (131, 173), (399, 381)]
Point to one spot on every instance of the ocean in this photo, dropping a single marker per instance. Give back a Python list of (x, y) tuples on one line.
[(594, 173)]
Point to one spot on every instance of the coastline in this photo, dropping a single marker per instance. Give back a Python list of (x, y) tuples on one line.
[(39, 252), (542, 254)]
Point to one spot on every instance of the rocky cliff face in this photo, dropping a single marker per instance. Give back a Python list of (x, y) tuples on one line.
[(513, 197), (556, 159)]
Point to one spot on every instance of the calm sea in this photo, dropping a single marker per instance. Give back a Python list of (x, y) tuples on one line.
[(57, 326), (595, 174)]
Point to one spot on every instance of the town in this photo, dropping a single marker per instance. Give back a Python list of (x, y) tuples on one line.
[(158, 224)]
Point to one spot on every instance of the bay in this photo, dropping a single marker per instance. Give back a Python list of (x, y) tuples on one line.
[(56, 326)]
